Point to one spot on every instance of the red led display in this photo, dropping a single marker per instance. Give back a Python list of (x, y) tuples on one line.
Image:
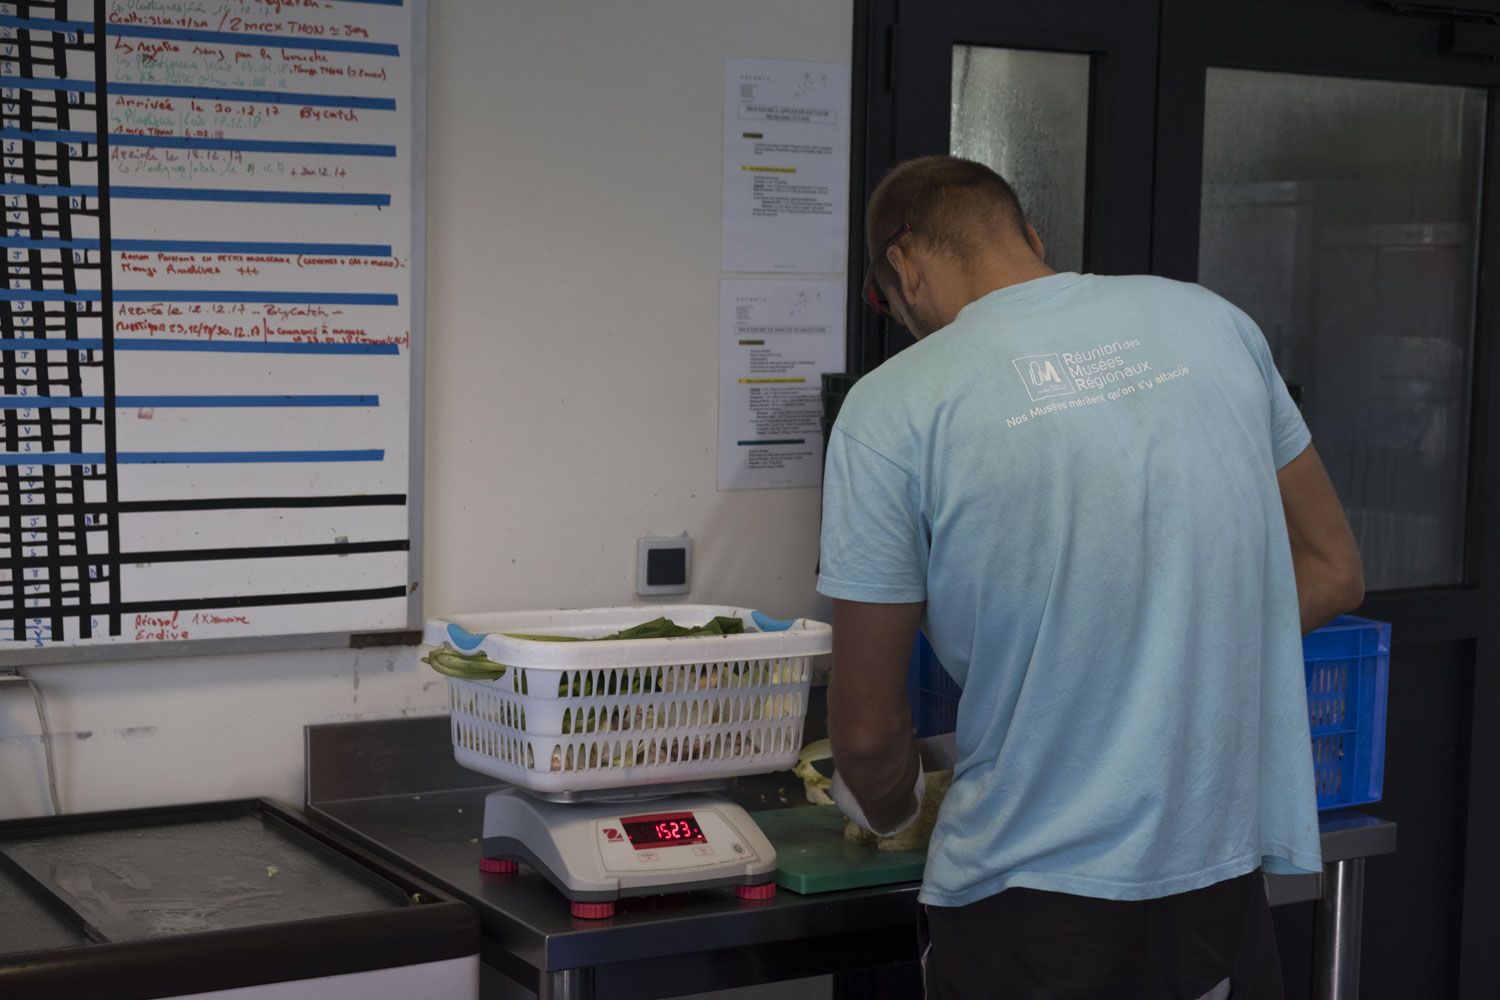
[(664, 830)]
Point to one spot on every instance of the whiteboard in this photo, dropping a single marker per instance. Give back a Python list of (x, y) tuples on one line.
[(210, 331)]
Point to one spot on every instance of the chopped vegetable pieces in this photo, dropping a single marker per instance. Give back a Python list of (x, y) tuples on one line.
[(656, 628), (815, 784), (469, 667)]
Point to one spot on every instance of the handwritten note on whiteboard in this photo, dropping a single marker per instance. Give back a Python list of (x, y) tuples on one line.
[(206, 331)]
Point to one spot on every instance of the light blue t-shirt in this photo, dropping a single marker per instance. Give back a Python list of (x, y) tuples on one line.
[(1078, 475)]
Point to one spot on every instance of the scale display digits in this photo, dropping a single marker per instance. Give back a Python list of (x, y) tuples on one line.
[(665, 830)]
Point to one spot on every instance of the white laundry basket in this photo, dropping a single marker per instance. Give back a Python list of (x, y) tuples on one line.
[(581, 716)]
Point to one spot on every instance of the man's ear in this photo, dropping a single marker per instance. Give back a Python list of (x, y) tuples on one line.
[(909, 272), (1034, 239)]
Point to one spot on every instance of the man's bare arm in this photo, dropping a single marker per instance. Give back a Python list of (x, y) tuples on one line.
[(1330, 577), (869, 720)]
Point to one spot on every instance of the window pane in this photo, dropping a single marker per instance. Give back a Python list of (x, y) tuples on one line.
[(1026, 115), (1342, 216)]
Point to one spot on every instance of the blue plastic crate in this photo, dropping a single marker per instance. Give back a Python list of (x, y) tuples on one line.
[(932, 693), (1348, 669)]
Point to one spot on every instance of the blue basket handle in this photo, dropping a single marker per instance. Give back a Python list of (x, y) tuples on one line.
[(463, 639), (768, 624)]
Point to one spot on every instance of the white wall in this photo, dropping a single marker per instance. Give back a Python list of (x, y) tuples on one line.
[(574, 204), (573, 234)]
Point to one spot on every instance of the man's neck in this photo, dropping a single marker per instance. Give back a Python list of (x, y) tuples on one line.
[(991, 275), (1002, 272)]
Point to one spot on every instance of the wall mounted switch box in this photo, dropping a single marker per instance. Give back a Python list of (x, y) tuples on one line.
[(662, 565)]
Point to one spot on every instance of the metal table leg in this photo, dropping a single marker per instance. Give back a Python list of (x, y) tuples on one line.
[(1336, 939), (566, 984)]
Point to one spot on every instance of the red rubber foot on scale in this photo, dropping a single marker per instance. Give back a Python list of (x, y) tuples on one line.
[(766, 890), (499, 866), (593, 911)]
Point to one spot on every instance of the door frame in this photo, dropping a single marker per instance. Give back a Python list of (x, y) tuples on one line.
[(1158, 233), (898, 41)]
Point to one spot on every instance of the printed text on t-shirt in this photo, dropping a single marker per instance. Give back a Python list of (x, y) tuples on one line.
[(1069, 380)]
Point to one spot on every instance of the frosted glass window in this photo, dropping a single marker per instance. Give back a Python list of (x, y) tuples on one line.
[(1342, 215), (1026, 115)]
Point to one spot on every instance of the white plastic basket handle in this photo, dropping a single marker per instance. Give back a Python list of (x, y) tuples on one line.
[(463, 639), (766, 623)]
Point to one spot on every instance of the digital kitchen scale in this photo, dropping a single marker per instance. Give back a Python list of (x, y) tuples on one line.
[(605, 848)]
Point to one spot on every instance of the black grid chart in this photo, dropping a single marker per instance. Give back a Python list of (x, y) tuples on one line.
[(230, 478), (58, 539)]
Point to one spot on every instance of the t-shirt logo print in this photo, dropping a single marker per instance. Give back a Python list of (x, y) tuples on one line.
[(1045, 376)]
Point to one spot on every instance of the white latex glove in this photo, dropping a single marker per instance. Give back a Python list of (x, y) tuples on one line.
[(844, 799)]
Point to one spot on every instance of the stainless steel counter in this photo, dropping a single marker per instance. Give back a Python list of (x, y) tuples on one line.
[(394, 788)]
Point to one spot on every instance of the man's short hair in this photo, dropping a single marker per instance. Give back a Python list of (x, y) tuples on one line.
[(956, 207)]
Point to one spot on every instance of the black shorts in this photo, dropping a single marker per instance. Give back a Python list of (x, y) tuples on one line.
[(1024, 944)]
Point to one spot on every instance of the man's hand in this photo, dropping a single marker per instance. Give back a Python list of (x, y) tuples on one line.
[(1330, 577), (869, 720), (844, 799)]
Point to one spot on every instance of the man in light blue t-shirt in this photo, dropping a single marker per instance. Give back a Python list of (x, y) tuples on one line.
[(1097, 499)]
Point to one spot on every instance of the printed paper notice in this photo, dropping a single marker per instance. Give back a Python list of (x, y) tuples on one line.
[(776, 339), (786, 166)]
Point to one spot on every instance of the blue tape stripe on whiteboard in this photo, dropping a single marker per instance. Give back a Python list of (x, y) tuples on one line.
[(51, 190), (230, 38), (328, 298), (26, 83), (229, 194), (48, 135), (174, 194), (46, 295), (44, 24), (237, 145), (463, 638), (167, 402), (236, 457), (183, 142), (220, 246), (768, 624), (249, 347), (188, 457), (38, 344), (152, 295), (227, 346), (25, 244), (191, 35)]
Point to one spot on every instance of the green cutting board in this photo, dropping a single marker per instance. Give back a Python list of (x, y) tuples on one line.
[(813, 856)]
